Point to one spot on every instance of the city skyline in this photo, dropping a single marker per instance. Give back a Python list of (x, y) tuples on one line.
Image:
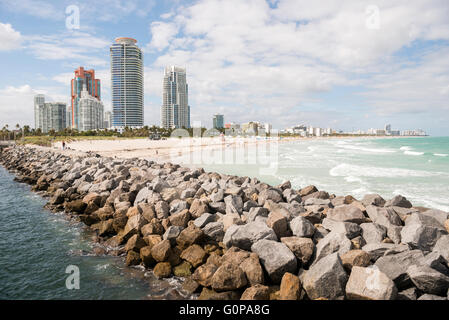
[(175, 109), (297, 72)]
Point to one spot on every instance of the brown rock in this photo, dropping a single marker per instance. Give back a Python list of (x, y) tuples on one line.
[(152, 239), (183, 270), (278, 223), (302, 247), (194, 254), (357, 258), (235, 255), (214, 259), (203, 274), (147, 211), (307, 190), (161, 251), (133, 226), (446, 225), (162, 270), (105, 213), (190, 286), (114, 241), (256, 292), (119, 222), (165, 223), (253, 270), (132, 212), (76, 206), (180, 219), (290, 287), (154, 227), (175, 256), (135, 243), (190, 235), (228, 277), (146, 257), (106, 228), (132, 258), (197, 208)]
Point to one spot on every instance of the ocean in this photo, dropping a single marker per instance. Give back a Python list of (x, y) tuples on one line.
[(415, 167)]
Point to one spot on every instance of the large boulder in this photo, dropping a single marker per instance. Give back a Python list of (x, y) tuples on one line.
[(234, 204), (422, 232), (442, 246), (332, 242), (302, 228), (188, 236), (326, 279), (269, 194), (256, 292), (384, 216), (373, 199), (204, 219), (214, 231), (161, 251), (399, 201), (395, 266), (302, 248), (369, 284), (245, 235), (253, 270), (195, 255), (349, 229), (346, 213), (278, 223), (290, 287), (228, 277), (355, 258), (203, 274), (373, 232), (428, 280), (275, 257)]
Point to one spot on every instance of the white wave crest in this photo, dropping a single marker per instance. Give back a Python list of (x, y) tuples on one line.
[(413, 153), (405, 148), (440, 154), (372, 150), (351, 170)]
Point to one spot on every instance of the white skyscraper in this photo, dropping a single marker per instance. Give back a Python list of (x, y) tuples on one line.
[(39, 101), (175, 110), (91, 112)]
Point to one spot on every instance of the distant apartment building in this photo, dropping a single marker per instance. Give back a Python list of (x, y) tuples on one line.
[(49, 115), (91, 112), (107, 120), (83, 79), (388, 128), (218, 121), (127, 84), (175, 109), (250, 127)]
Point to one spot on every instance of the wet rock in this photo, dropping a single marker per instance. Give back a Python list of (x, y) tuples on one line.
[(76, 206), (133, 226), (302, 248), (162, 270), (106, 228), (132, 258), (256, 292), (146, 257), (326, 279), (135, 243), (290, 287), (208, 294), (190, 286), (369, 284), (275, 257), (195, 255), (161, 251), (428, 280), (183, 270), (302, 228)]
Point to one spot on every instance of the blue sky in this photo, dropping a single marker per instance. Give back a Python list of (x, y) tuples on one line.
[(340, 64)]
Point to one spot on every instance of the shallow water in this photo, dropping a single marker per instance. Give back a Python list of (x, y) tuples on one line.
[(37, 246)]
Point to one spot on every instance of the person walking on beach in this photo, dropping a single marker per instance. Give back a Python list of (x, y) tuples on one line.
[(63, 145)]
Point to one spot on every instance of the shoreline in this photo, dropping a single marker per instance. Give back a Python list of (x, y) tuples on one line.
[(234, 237)]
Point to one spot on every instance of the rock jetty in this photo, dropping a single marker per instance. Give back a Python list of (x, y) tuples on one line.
[(234, 237)]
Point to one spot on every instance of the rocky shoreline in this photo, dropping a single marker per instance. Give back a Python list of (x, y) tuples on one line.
[(238, 238)]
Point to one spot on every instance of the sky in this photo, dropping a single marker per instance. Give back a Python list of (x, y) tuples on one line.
[(344, 64)]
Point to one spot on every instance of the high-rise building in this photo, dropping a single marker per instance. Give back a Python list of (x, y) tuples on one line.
[(39, 101), (49, 115), (388, 128), (83, 78), (218, 121), (107, 120), (127, 83), (175, 110), (91, 112)]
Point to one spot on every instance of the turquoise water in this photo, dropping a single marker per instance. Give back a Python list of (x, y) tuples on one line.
[(417, 168), (37, 246)]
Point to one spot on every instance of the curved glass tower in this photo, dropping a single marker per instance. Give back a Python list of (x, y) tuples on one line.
[(126, 83)]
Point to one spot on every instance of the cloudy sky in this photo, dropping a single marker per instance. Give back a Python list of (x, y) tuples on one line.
[(343, 64)]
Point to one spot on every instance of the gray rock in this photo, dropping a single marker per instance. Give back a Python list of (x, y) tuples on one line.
[(204, 219), (373, 232), (422, 231), (431, 297), (218, 206), (234, 204), (177, 206), (440, 216), (373, 199), (377, 250), (214, 230), (246, 235), (349, 229), (161, 208), (398, 201), (290, 195), (436, 261), (317, 202), (172, 233), (269, 194), (257, 212), (383, 216), (276, 258), (395, 266), (302, 228), (217, 196), (187, 193), (428, 280), (142, 196), (442, 246), (326, 279), (346, 213), (249, 204), (394, 233), (369, 284), (407, 294), (332, 242)]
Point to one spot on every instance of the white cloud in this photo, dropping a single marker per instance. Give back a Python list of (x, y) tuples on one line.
[(10, 39), (37, 8), (162, 34)]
